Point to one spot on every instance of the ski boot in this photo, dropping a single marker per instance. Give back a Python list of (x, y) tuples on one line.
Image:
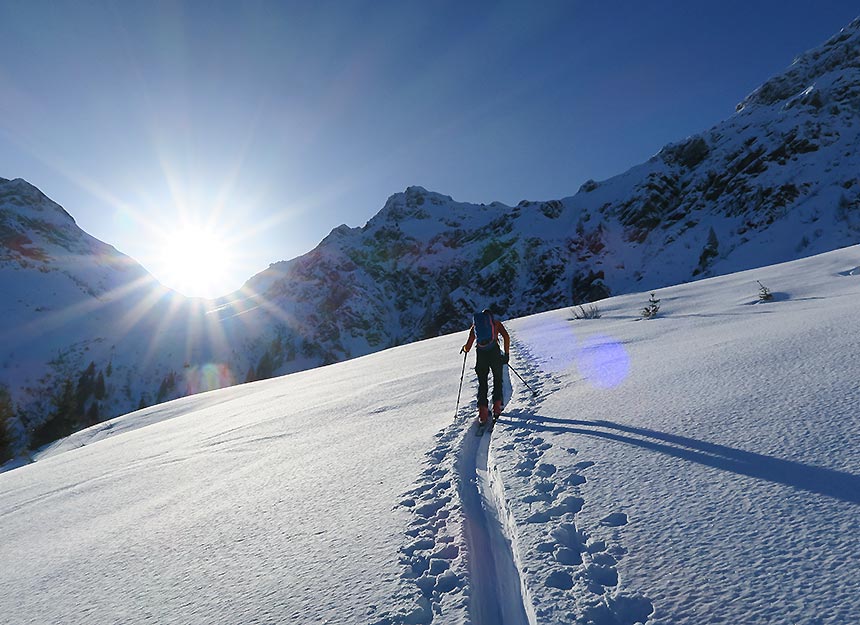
[(497, 409), (483, 414)]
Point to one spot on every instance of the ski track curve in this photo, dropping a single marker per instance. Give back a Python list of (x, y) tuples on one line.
[(493, 537)]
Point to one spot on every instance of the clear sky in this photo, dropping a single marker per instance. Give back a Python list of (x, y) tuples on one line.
[(258, 127)]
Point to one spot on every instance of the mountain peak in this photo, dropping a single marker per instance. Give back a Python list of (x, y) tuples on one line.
[(416, 196), (837, 60), (20, 194), (413, 203)]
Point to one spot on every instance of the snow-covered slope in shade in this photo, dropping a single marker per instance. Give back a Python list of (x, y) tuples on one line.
[(697, 467)]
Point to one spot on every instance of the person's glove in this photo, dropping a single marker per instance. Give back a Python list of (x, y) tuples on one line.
[(505, 358)]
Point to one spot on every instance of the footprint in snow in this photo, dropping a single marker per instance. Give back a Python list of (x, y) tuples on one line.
[(535, 497), (525, 468), (434, 474), (616, 519), (621, 610), (575, 479), (568, 556), (568, 535), (602, 558), (567, 505), (545, 487), (546, 469), (602, 575), (559, 579), (533, 453)]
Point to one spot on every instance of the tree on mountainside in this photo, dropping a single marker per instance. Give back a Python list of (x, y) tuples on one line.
[(166, 388), (266, 366), (709, 253), (7, 412), (85, 387), (100, 390), (92, 414), (64, 418)]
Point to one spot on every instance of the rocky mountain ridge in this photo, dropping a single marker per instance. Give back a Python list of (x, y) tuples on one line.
[(780, 175), (776, 181)]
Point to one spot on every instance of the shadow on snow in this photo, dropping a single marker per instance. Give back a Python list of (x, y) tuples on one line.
[(827, 482)]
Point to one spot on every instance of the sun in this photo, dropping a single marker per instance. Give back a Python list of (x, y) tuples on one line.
[(195, 260)]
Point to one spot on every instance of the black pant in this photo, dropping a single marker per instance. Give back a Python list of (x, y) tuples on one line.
[(489, 359)]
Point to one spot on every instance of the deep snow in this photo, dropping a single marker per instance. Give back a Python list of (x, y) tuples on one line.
[(699, 467)]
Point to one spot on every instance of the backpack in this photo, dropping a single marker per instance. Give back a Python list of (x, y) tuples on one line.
[(486, 334)]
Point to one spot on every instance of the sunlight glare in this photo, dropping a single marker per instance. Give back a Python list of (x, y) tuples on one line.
[(195, 261)]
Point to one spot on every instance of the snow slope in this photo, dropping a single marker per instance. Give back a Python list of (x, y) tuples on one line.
[(699, 467)]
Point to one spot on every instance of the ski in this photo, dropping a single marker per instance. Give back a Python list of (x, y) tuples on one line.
[(480, 428)]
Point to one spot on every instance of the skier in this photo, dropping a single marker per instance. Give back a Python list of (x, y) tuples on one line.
[(485, 332)]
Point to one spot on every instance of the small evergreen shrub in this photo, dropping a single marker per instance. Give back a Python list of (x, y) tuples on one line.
[(764, 293), (650, 311)]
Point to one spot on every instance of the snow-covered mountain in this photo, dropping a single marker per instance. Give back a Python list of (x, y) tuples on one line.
[(776, 181), (87, 333), (699, 468)]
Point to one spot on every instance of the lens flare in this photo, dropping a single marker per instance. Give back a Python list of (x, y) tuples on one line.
[(559, 346), (551, 341), (602, 361), (208, 377)]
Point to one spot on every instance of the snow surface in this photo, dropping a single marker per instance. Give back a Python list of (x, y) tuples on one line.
[(699, 467)]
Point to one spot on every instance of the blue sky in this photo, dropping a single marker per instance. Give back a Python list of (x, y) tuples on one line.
[(274, 122)]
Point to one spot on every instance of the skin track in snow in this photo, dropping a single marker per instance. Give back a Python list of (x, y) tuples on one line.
[(496, 589)]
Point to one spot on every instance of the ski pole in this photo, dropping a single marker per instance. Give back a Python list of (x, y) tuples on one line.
[(462, 373), (534, 392)]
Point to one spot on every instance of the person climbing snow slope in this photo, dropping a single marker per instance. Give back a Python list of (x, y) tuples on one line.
[(484, 333)]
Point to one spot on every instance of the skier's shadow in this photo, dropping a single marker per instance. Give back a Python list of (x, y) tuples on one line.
[(829, 482)]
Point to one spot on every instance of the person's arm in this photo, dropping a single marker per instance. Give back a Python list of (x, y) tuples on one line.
[(471, 340), (507, 337)]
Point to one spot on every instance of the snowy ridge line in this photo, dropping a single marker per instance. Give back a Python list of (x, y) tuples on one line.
[(569, 575)]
